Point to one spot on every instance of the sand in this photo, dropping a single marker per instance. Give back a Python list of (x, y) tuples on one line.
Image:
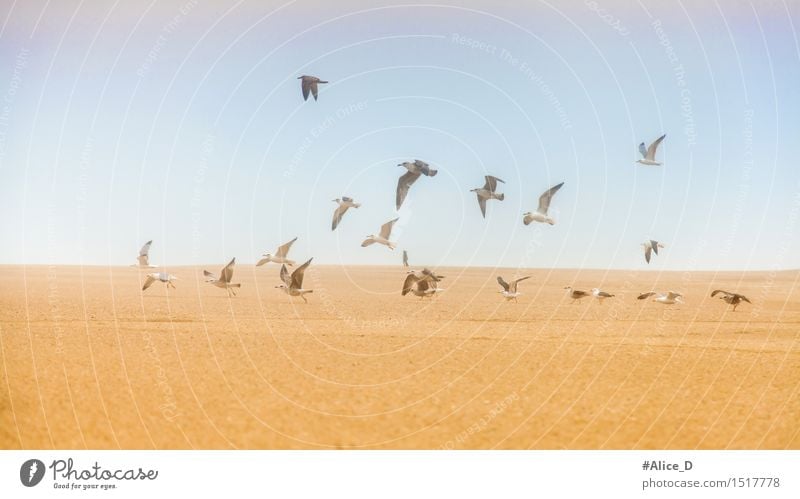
[(88, 361)]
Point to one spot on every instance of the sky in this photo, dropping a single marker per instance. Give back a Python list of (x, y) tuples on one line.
[(183, 122)]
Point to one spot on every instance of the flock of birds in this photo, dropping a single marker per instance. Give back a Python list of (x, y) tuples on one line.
[(425, 283)]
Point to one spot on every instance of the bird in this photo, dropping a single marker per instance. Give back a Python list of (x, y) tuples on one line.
[(293, 285), (649, 154), (309, 83), (415, 170), (730, 298), (344, 204), (143, 260), (509, 290), (280, 255), (405, 258), (224, 279), (487, 192), (159, 276), (544, 204), (600, 295), (651, 247), (423, 283), (383, 237), (576, 294), (670, 298)]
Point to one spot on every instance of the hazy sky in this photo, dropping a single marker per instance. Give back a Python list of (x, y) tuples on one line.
[(183, 122)]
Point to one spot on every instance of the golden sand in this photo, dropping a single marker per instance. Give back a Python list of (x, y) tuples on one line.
[(89, 361)]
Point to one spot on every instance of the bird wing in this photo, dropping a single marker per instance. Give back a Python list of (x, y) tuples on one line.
[(306, 84), (425, 168), (491, 183), (262, 262), (287, 280), (502, 283), (654, 245), (544, 199), (367, 242), (284, 249), (516, 281), (717, 291), (386, 229), (227, 272), (338, 214), (647, 251), (211, 277), (482, 204), (347, 199), (604, 294), (145, 249), (314, 89), (743, 297), (405, 258), (150, 280), (403, 184), (651, 151), (297, 275), (672, 295), (643, 150), (409, 283), (645, 295)]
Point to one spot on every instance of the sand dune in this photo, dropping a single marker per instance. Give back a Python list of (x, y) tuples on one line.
[(90, 361)]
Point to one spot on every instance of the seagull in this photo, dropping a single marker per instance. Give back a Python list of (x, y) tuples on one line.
[(415, 169), (649, 154), (405, 258), (422, 283), (344, 204), (509, 290), (731, 298), (600, 295), (224, 279), (576, 294), (293, 285), (309, 83), (159, 276), (670, 298), (487, 192), (144, 257), (651, 247), (280, 255), (383, 237), (544, 205)]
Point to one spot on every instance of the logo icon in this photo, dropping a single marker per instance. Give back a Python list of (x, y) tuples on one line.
[(31, 472)]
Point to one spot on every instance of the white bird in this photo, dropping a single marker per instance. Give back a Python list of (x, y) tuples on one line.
[(488, 192), (344, 204), (159, 276), (144, 257), (309, 84), (670, 298), (280, 255), (405, 258), (730, 298), (544, 204), (576, 294), (293, 285), (509, 290), (383, 237), (651, 247), (600, 295), (649, 154), (224, 279), (415, 169), (422, 283)]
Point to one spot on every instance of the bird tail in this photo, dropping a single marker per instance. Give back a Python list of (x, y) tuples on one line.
[(356, 205), (237, 285), (501, 196)]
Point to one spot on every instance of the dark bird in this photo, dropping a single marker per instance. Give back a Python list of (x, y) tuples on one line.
[(405, 181), (309, 84), (730, 298), (488, 192)]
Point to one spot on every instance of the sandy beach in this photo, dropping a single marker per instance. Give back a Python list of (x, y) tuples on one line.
[(89, 361)]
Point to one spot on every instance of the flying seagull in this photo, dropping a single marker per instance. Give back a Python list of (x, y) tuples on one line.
[(544, 204), (159, 276), (293, 285), (600, 295), (415, 169), (144, 256), (422, 283), (344, 204), (649, 154), (509, 290), (405, 258), (576, 294), (383, 237), (487, 192), (651, 247), (280, 255), (224, 279), (309, 83), (670, 298), (730, 298)]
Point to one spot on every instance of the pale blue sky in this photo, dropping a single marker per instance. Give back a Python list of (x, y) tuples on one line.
[(183, 122)]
